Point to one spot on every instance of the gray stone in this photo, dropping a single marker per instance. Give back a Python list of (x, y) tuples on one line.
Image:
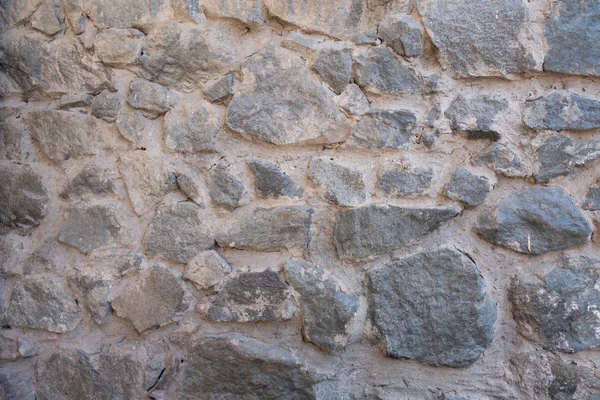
[(592, 199), (91, 180), (75, 100), (379, 228), (10, 257), (328, 313), (149, 300), (340, 184), (559, 111), (42, 259), (221, 90), (187, 10), (10, 141), (9, 349), (191, 185), (385, 128), (571, 49), (225, 187), (107, 105), (480, 37), (88, 228), (280, 102), (178, 232), (586, 153), (432, 307), (48, 18), (119, 13), (16, 383), (270, 229), (43, 302), (253, 296), (554, 157), (130, 126), (334, 67), (15, 12), (250, 13), (207, 270), (153, 99), (559, 310), (402, 182), (476, 115), (468, 188), (378, 71), (261, 371), (353, 100), (535, 221), (119, 47), (270, 182), (191, 128), (93, 293), (403, 34), (502, 160), (23, 198), (302, 44), (367, 37)]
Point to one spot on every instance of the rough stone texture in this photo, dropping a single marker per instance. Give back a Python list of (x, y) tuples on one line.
[(560, 110), (150, 97), (502, 160), (476, 116), (468, 188), (334, 67), (191, 128), (227, 185), (207, 270), (403, 34), (592, 199), (385, 128), (340, 184), (191, 185), (270, 182), (221, 90), (93, 293), (402, 182), (120, 13), (88, 228), (119, 47), (10, 257), (555, 157), (432, 307), (107, 106), (48, 18), (353, 100), (91, 180), (187, 10), (377, 70), (11, 147), (250, 13)]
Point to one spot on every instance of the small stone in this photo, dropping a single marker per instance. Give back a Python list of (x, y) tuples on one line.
[(107, 106), (559, 111), (249, 13), (592, 199), (270, 229), (476, 116), (402, 182), (379, 71), (153, 99), (10, 141), (119, 47), (535, 221), (340, 184), (9, 349), (221, 90), (227, 185), (385, 128), (468, 188), (270, 182), (502, 160), (119, 13), (191, 185), (93, 293), (10, 257), (353, 100), (403, 34), (207, 270), (432, 307), (328, 313), (75, 100), (554, 156), (334, 67), (88, 228), (367, 37), (26, 349), (91, 180), (150, 300), (43, 302), (179, 232), (253, 296), (187, 10), (379, 228), (48, 18), (303, 45), (191, 128), (586, 153), (130, 126)]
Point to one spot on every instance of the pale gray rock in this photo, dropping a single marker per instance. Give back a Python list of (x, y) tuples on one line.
[(9, 349), (207, 270), (334, 67), (93, 293), (48, 18), (191, 128), (11, 139), (302, 44), (271, 182), (15, 12), (88, 228), (221, 90), (468, 188), (353, 100), (377, 70), (476, 115), (400, 182), (75, 100), (120, 13), (107, 105), (152, 98), (187, 10), (10, 257), (339, 183), (250, 13), (119, 47), (403, 34), (130, 126), (367, 37), (559, 111), (385, 128), (502, 160), (91, 180), (191, 185)]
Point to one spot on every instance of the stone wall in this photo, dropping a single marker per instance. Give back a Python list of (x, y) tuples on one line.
[(300, 199)]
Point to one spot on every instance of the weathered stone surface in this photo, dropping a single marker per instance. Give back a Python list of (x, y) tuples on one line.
[(75, 100), (16, 383), (221, 90), (270, 182), (502, 160), (187, 10), (380, 228), (262, 371), (120, 13), (402, 182), (250, 13), (191, 185), (327, 312), (340, 184), (10, 256), (130, 126), (592, 199), (179, 232), (535, 221), (353, 100), (11, 138), (571, 49), (207, 270), (560, 309), (15, 12), (9, 349), (107, 105), (91, 180), (152, 98), (281, 103), (48, 18), (586, 153), (334, 67), (480, 38), (302, 44), (23, 198), (253, 296), (227, 185), (468, 188), (432, 307), (560, 110), (385, 128), (270, 229), (119, 47), (150, 299), (476, 115), (554, 156), (93, 293), (403, 34), (191, 128), (377, 70), (88, 228), (43, 302)]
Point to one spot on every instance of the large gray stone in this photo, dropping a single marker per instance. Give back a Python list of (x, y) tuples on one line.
[(15, 12), (16, 383), (476, 115), (119, 47), (403, 34), (91, 180), (88, 228), (555, 157), (402, 182), (207, 270), (11, 252), (271, 182), (468, 188), (432, 307), (385, 128), (93, 293), (379, 228), (535, 221), (377, 70), (334, 67), (120, 13), (340, 184), (502, 160), (250, 13), (152, 98), (559, 111), (191, 128)]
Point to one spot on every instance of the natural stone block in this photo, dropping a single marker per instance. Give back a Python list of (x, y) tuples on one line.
[(207, 270), (221, 90), (48, 18), (334, 67), (377, 70), (592, 199), (119, 47), (340, 184), (559, 111), (120, 13), (468, 188), (476, 115), (93, 293), (353, 101), (191, 128), (191, 185), (228, 185), (153, 99), (554, 156), (250, 13), (91, 180), (107, 105), (88, 228), (187, 10), (271, 182), (403, 34), (385, 128), (502, 160), (400, 182)]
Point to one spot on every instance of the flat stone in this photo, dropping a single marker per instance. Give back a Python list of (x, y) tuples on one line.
[(432, 307), (120, 13), (377, 70), (187, 10), (559, 111), (88, 228), (400, 182), (179, 232), (468, 188), (402, 34), (270, 229), (535, 221), (149, 300), (339, 183), (75, 100), (48, 18), (250, 13), (93, 293), (385, 128), (328, 313), (502, 160), (118, 47), (253, 296), (334, 67), (480, 38), (11, 139), (476, 115), (107, 105), (191, 128), (91, 180), (221, 90), (43, 302), (152, 98), (207, 270), (592, 199), (353, 101), (227, 185), (379, 228), (271, 182), (302, 44), (191, 185), (554, 156)]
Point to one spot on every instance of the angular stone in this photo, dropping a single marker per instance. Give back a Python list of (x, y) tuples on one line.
[(250, 13), (119, 47), (353, 100), (10, 141), (191, 128), (88, 228), (178, 232), (150, 300), (253, 296), (432, 307), (48, 18), (402, 182), (227, 185), (559, 111), (10, 257), (468, 188), (571, 49), (586, 153), (75, 100), (16, 383), (221, 90), (42, 259), (535, 221), (9, 349), (207, 270), (187, 10), (270, 229), (93, 293), (403, 34), (592, 199), (480, 38), (270, 182), (476, 115), (107, 105), (91, 180), (302, 44), (191, 185), (379, 228), (120, 13), (502, 160), (23, 198), (328, 313), (378, 71), (554, 157), (560, 309), (334, 67), (153, 99), (15, 12), (385, 128), (280, 102), (340, 184), (43, 302)]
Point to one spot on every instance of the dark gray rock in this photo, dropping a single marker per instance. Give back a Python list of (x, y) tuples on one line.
[(270, 182), (380, 228), (432, 307), (385, 128), (554, 156), (221, 90), (403, 34), (253, 296), (270, 229), (560, 110), (402, 182), (152, 98), (379, 71), (88, 228), (91, 180), (93, 293), (571, 49), (476, 115), (535, 221), (327, 312), (107, 105), (353, 100), (340, 184), (118, 47), (502, 160), (334, 67), (468, 188), (207, 270), (191, 128), (225, 187), (592, 199)]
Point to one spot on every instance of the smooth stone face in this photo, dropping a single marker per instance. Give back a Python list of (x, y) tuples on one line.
[(403, 34), (271, 182), (559, 111), (535, 221), (253, 296), (340, 184), (353, 100), (43, 302), (327, 312), (400, 182), (93, 293), (88, 228), (91, 180), (377, 229), (221, 90), (250, 13), (119, 13), (191, 128), (377, 70), (107, 105), (432, 307), (207, 270), (334, 67), (554, 156), (227, 185), (502, 160), (119, 47), (592, 199), (150, 97), (476, 115), (385, 128), (468, 188)]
